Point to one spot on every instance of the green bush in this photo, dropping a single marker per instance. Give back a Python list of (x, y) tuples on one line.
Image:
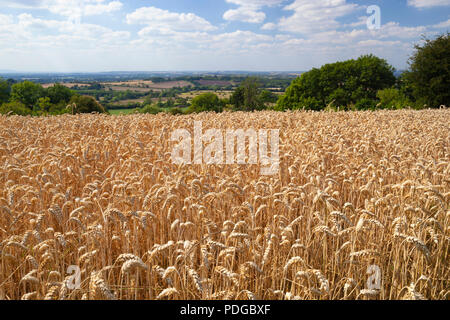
[(150, 109), (15, 107), (175, 111), (308, 103), (392, 99), (206, 102), (85, 104), (267, 96), (58, 109), (339, 98), (366, 104)]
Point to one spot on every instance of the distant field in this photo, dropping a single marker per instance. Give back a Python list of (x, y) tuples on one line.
[(135, 89), (126, 102), (144, 86), (221, 94), (68, 85), (171, 84), (117, 112), (132, 83), (214, 83)]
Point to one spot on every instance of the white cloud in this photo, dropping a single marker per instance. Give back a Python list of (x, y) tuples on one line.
[(311, 16), (256, 3), (428, 3), (30, 33), (393, 29), (160, 20), (29, 24), (444, 24), (21, 4), (240, 36), (5, 19), (378, 43), (269, 26), (249, 10), (77, 8), (245, 14), (73, 9), (362, 21)]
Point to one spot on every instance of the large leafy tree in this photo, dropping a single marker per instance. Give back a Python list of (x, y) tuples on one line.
[(429, 74), (341, 84), (27, 92), (237, 98), (267, 96), (206, 102), (5, 91), (247, 96), (59, 94)]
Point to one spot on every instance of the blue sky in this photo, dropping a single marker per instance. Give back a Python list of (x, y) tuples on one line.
[(209, 35)]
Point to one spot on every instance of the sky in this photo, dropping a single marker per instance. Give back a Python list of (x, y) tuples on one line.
[(210, 35)]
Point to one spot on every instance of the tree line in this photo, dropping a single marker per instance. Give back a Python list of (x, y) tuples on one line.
[(369, 82), (366, 83), (29, 98)]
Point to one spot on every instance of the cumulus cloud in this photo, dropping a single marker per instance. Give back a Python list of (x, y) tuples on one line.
[(31, 32), (245, 14), (269, 26), (73, 9), (428, 3), (443, 24), (160, 20), (22, 4), (249, 10), (311, 16), (5, 19), (394, 30), (76, 9)]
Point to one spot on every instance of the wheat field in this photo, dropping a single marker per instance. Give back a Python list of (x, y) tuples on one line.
[(356, 192)]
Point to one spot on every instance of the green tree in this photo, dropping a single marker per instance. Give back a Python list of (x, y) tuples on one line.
[(237, 98), (59, 93), (340, 84), (150, 109), (85, 104), (170, 103), (267, 96), (44, 104), (366, 104), (429, 74), (252, 100), (206, 102), (15, 107), (27, 92), (392, 99), (247, 96), (5, 91)]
